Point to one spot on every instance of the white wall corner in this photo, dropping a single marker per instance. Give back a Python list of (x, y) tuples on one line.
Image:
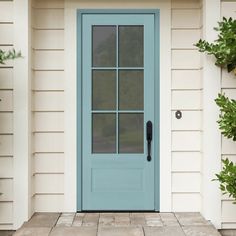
[(22, 114), (165, 107), (211, 206), (70, 190)]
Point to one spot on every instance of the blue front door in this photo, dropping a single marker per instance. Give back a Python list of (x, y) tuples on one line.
[(117, 103)]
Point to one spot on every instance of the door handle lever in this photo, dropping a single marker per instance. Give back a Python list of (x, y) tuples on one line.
[(149, 139)]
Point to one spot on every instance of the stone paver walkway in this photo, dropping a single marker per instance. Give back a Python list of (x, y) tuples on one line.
[(117, 224)]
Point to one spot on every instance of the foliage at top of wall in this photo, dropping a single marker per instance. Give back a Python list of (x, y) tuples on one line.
[(224, 47), (9, 55)]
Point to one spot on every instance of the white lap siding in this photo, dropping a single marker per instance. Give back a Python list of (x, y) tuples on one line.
[(186, 97), (228, 85), (6, 118), (48, 100)]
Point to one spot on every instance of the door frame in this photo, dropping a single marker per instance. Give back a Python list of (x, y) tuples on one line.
[(156, 13)]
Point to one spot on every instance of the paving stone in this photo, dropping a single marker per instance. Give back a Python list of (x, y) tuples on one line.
[(42, 220), (122, 220), (6, 232), (66, 219), (120, 231), (154, 222), (152, 215), (137, 220), (169, 219), (106, 220), (226, 232), (74, 231), (200, 231), (78, 220), (80, 214), (91, 219), (35, 231), (191, 218), (164, 231)]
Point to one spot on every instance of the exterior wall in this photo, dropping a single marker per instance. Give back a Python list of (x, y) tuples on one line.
[(228, 85), (49, 109), (6, 118), (187, 97), (54, 87), (48, 104)]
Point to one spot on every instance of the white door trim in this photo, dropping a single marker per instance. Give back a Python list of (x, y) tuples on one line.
[(70, 95)]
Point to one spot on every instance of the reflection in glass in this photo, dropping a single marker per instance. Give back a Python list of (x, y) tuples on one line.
[(104, 133), (131, 46), (104, 90), (104, 46), (131, 90), (130, 133)]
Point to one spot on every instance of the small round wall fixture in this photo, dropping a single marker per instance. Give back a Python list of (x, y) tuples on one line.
[(178, 114)]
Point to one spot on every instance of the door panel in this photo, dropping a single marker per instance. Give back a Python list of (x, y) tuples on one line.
[(118, 100)]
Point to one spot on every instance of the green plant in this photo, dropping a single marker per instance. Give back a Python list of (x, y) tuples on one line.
[(8, 55), (224, 47), (227, 179), (227, 117)]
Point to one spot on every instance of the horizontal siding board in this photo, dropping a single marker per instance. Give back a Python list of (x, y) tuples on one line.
[(49, 183), (48, 4), (186, 140), (191, 120), (6, 11), (186, 182), (49, 18), (49, 163), (6, 32), (186, 100), (175, 4), (49, 101), (6, 167), (6, 78), (6, 145), (185, 39), (228, 9), (186, 59), (228, 211), (49, 142), (48, 60), (186, 202), (49, 121), (6, 188), (48, 39), (6, 100), (186, 79), (6, 123), (231, 93), (49, 203), (228, 79), (228, 146), (186, 161), (6, 212), (49, 80), (186, 18)]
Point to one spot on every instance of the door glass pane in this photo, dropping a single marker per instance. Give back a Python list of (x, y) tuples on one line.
[(104, 90), (104, 46), (130, 133), (104, 133), (131, 46), (131, 89)]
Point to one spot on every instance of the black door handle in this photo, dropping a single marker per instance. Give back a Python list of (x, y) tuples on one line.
[(149, 139)]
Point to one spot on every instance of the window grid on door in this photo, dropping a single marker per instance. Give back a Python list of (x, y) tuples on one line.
[(120, 114)]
